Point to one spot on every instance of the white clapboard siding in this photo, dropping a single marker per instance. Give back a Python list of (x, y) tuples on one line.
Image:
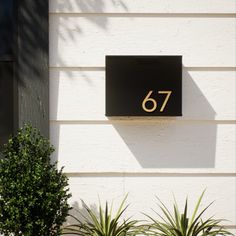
[(85, 40), (142, 192), (145, 156), (142, 147), (143, 6), (80, 95)]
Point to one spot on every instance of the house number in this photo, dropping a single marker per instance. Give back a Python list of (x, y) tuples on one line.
[(152, 101)]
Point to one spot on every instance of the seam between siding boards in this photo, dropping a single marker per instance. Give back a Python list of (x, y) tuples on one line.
[(180, 15), (147, 174), (145, 120), (102, 68)]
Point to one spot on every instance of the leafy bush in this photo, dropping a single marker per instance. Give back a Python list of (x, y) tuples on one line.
[(178, 224), (33, 193), (102, 224)]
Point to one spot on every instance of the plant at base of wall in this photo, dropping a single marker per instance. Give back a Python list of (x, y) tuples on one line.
[(178, 224), (103, 224), (33, 193)]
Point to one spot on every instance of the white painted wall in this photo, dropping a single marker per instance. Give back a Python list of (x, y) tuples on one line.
[(146, 156)]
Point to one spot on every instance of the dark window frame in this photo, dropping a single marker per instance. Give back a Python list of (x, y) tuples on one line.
[(6, 29)]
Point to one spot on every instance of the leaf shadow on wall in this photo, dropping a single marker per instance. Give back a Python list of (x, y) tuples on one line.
[(57, 32), (174, 142), (78, 211), (60, 31)]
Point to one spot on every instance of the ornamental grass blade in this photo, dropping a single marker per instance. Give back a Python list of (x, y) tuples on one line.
[(162, 228), (168, 217), (197, 218), (101, 214), (164, 220), (184, 219), (178, 232), (94, 220), (121, 207), (177, 214), (197, 206), (166, 212), (107, 220), (211, 226)]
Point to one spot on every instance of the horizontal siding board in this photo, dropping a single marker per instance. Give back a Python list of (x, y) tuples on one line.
[(140, 147), (80, 95), (84, 41), (141, 6), (142, 192)]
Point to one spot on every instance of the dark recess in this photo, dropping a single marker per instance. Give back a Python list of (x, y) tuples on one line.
[(24, 69), (6, 100)]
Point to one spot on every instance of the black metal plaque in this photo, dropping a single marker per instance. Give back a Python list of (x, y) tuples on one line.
[(143, 85)]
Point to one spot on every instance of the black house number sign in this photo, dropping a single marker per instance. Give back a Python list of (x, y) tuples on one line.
[(143, 85)]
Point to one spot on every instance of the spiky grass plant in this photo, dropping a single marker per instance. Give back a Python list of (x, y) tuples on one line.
[(179, 224), (103, 223)]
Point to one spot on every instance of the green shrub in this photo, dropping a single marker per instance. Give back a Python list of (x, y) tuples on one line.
[(103, 223), (179, 224), (33, 193)]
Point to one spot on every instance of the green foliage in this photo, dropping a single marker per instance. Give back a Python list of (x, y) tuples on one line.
[(103, 224), (178, 224), (33, 193)]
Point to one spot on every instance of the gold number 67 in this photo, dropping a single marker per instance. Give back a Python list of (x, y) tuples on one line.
[(153, 101)]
